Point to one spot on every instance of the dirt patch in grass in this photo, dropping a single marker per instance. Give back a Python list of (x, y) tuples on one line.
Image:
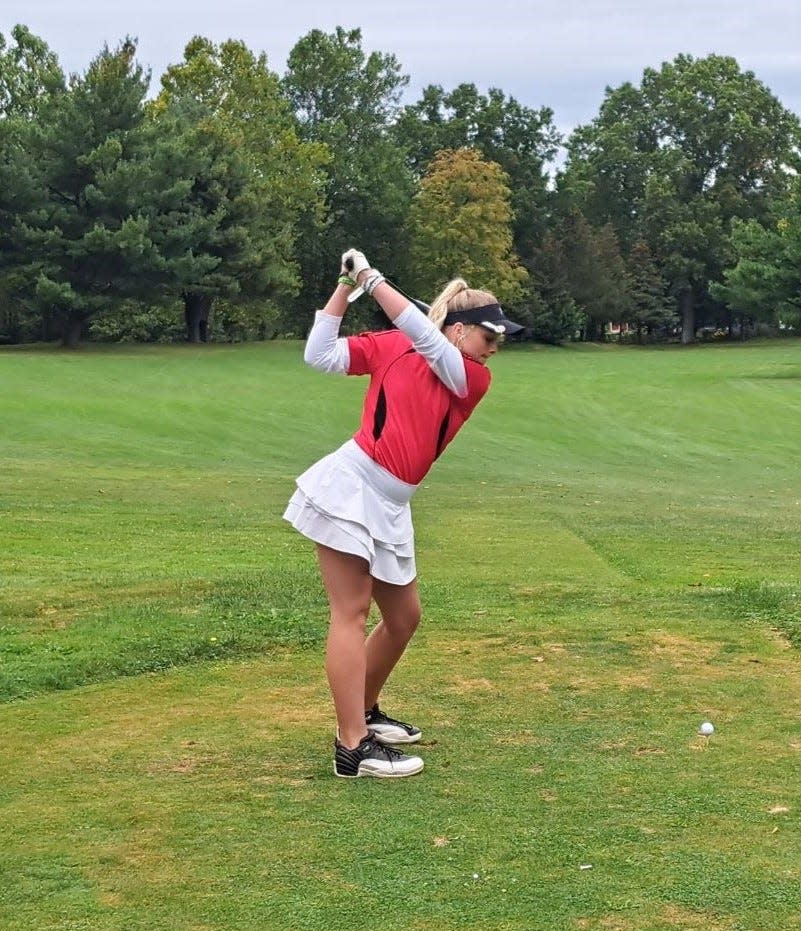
[(680, 651), (289, 773), (672, 916), (608, 923), (280, 707), (676, 916), (192, 758), (525, 738), (634, 680), (461, 686)]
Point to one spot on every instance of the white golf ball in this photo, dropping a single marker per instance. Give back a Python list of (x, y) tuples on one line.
[(706, 729)]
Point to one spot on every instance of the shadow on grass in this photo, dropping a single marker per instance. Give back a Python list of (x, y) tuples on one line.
[(249, 615), (241, 616), (790, 372)]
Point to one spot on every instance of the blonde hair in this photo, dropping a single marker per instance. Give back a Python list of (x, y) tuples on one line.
[(455, 296)]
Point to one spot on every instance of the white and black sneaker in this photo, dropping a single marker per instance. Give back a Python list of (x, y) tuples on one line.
[(389, 731), (372, 758)]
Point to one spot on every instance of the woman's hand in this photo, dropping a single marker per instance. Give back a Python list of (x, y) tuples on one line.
[(354, 263)]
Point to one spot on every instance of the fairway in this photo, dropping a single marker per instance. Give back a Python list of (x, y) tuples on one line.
[(609, 555)]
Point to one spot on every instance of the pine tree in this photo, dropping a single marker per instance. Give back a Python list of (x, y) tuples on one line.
[(652, 308), (258, 179), (30, 77), (85, 245)]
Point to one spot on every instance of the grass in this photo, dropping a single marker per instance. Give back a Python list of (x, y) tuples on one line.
[(609, 555)]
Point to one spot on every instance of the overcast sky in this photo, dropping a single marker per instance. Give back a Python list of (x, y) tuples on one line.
[(560, 54)]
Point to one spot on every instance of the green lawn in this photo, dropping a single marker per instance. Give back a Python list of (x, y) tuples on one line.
[(609, 555)]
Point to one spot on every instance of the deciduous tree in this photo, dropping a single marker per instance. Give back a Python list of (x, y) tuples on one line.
[(347, 100), (673, 161), (765, 281), (520, 139), (460, 225)]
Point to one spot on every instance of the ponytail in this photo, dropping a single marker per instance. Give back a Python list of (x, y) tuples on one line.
[(457, 295), (439, 309)]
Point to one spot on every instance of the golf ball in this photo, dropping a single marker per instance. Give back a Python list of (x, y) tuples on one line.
[(706, 729)]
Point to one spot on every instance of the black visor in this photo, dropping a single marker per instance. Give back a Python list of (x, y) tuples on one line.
[(490, 316)]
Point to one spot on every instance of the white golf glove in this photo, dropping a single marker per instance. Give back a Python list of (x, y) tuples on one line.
[(353, 263)]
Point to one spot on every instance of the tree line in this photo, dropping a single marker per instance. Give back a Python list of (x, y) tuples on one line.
[(218, 207)]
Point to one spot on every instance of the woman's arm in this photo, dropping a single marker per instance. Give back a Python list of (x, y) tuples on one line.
[(338, 302), (444, 358), (325, 350)]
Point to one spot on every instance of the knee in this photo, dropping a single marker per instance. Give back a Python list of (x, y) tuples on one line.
[(404, 624), (352, 615)]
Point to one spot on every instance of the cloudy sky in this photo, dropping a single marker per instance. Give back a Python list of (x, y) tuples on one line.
[(561, 53)]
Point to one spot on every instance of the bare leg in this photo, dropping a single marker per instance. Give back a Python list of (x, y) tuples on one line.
[(400, 615), (349, 587)]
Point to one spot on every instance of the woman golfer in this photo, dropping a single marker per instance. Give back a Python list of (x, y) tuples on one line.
[(426, 377)]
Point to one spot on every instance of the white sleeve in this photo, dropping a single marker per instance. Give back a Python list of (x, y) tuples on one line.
[(443, 357), (325, 349)]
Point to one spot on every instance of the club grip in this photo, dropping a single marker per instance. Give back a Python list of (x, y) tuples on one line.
[(349, 264)]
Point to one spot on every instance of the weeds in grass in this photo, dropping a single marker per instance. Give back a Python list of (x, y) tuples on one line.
[(606, 554)]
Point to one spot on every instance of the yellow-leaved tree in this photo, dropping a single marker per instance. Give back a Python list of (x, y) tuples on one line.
[(460, 225)]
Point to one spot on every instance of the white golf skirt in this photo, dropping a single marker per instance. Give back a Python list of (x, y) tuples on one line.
[(350, 503)]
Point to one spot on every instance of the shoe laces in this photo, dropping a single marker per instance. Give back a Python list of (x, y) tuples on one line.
[(376, 714), (390, 752)]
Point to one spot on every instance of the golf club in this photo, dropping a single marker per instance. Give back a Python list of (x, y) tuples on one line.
[(358, 291)]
